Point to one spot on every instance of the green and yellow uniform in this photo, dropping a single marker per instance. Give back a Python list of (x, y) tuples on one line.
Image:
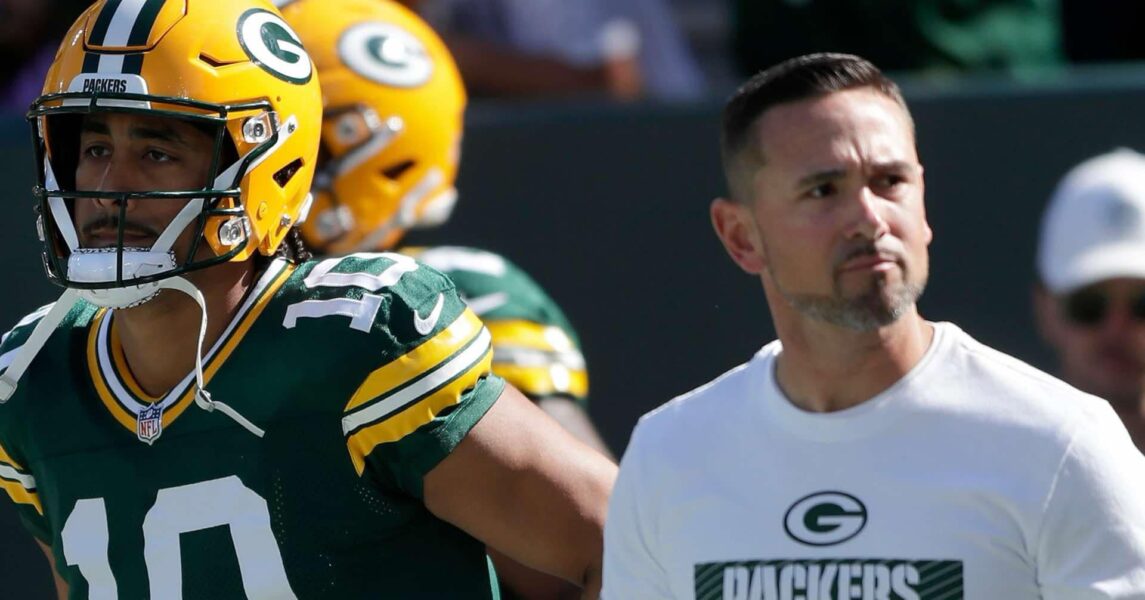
[(534, 346), (364, 372)]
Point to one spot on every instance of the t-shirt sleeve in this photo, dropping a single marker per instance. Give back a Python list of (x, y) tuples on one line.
[(632, 567), (1092, 539)]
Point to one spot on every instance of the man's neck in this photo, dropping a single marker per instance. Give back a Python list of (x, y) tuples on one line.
[(160, 337), (826, 368)]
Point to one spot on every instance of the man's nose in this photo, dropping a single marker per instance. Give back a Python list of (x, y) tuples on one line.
[(116, 177), (867, 222)]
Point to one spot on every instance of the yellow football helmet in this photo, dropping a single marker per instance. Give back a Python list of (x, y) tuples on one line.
[(234, 67), (394, 105)]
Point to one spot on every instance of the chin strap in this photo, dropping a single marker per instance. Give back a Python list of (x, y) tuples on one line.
[(24, 354), (202, 396)]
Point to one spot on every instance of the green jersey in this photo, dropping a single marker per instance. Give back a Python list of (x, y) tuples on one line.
[(534, 346), (363, 371)]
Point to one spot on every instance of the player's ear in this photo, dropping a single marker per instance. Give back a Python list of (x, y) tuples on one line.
[(737, 232)]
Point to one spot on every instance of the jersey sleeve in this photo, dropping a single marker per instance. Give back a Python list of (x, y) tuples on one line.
[(1092, 539), (434, 382), (16, 479), (20, 486), (535, 347), (540, 360), (631, 563)]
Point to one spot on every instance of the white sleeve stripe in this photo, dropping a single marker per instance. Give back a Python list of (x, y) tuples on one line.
[(27, 481), (535, 357), (6, 358), (388, 405)]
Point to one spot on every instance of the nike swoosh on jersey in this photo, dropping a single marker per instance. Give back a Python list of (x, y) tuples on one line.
[(426, 324), (483, 304)]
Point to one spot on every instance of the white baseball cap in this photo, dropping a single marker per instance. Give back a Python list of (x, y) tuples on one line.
[(1094, 226)]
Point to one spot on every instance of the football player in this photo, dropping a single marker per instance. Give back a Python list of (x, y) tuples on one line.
[(203, 412), (394, 104)]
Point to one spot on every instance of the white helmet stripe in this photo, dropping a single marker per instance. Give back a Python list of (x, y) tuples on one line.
[(130, 25), (122, 23)]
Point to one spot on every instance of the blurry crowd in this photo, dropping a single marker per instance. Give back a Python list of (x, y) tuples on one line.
[(680, 50)]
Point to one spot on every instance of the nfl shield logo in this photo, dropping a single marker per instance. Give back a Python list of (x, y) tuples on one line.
[(150, 424)]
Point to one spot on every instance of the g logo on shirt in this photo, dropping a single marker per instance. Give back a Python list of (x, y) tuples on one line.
[(825, 518)]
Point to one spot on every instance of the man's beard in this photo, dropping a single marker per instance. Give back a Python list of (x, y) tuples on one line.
[(882, 302)]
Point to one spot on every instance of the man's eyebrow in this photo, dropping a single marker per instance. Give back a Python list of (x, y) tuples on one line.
[(820, 177), (829, 175), (895, 165), (165, 134), (138, 132), (91, 126)]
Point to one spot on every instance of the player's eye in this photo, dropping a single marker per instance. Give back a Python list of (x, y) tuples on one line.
[(889, 181), (823, 190), (159, 156), (96, 151)]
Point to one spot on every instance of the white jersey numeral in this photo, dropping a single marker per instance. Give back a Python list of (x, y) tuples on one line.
[(85, 541), (362, 311), (176, 511)]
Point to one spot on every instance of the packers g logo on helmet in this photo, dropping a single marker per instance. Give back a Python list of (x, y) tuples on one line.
[(274, 46), (385, 53)]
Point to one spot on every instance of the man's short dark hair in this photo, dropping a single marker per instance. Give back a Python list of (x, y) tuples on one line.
[(796, 79)]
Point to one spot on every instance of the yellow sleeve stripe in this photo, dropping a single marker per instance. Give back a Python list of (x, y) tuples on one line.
[(402, 413), (526, 333), (19, 484), (416, 362), (6, 458), (20, 494), (537, 382), (533, 344)]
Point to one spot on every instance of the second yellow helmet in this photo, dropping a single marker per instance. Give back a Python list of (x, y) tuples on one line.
[(391, 132)]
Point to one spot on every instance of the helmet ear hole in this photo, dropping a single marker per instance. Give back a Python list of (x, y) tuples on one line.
[(285, 174), (394, 172)]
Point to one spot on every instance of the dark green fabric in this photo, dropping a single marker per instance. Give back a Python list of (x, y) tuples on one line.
[(1017, 36), (340, 535)]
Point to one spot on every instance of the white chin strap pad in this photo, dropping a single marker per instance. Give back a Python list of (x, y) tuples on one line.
[(100, 266)]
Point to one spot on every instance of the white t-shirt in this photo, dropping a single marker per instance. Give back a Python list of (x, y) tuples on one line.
[(975, 476)]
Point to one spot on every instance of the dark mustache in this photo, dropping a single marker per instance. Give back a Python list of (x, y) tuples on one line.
[(867, 249), (112, 222)]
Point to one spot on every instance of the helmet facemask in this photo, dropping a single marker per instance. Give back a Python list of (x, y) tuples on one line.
[(120, 275)]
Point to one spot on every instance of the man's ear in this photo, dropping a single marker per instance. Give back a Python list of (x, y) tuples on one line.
[(737, 232)]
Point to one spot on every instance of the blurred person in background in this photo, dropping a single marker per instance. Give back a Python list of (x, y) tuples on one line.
[(625, 49), (1090, 300), (30, 32), (391, 142), (932, 36)]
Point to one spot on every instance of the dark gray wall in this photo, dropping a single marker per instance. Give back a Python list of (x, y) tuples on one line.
[(607, 208)]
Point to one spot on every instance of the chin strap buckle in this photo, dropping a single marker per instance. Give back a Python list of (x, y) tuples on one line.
[(7, 388)]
